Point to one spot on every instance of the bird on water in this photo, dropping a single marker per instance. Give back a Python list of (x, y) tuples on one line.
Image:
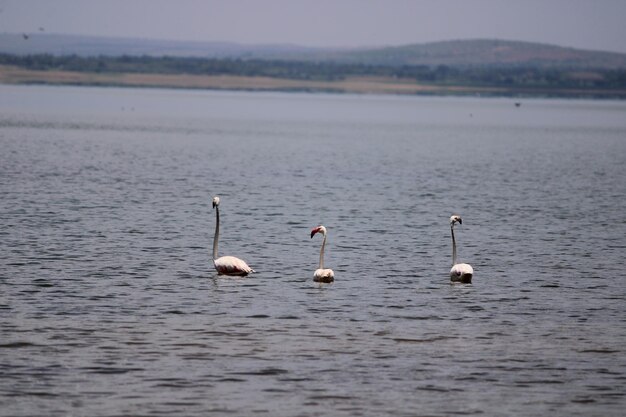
[(459, 272), (322, 274), (226, 265)]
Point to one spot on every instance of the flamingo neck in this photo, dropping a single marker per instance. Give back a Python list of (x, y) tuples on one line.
[(322, 253), (217, 232), (453, 246)]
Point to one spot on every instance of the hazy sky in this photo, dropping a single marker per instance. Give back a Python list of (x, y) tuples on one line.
[(590, 24)]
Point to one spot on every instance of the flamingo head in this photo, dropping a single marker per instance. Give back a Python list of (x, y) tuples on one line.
[(318, 229), (454, 219), (216, 201)]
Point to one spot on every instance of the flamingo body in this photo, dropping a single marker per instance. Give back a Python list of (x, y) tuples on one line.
[(230, 265), (226, 265), (322, 274), (461, 273)]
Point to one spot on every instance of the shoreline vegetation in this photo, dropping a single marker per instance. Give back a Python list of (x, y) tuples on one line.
[(292, 76), (354, 85)]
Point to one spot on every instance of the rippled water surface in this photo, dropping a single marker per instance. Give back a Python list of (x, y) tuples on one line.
[(109, 304)]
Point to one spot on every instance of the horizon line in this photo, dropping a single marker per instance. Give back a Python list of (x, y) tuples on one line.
[(291, 44)]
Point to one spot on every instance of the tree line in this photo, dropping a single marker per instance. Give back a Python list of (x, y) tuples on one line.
[(504, 76)]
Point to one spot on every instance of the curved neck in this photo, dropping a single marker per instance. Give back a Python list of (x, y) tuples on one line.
[(453, 246), (217, 231), (322, 253)]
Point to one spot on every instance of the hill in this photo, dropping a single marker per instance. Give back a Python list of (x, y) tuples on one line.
[(481, 52), (486, 67), (455, 53), (54, 44)]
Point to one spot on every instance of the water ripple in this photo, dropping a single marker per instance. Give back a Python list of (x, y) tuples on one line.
[(110, 305)]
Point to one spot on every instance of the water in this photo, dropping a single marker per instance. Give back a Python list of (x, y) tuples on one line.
[(109, 304)]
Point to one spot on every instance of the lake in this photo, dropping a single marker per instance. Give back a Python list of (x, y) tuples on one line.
[(110, 305)]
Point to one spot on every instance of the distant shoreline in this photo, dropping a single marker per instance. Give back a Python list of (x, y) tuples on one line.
[(354, 85)]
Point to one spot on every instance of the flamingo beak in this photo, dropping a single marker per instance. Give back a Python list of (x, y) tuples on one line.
[(460, 221), (314, 231), (214, 204)]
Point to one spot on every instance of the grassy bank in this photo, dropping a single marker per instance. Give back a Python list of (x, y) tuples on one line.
[(358, 85)]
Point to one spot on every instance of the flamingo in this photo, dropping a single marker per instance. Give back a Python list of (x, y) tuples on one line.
[(321, 274), (459, 272), (226, 265)]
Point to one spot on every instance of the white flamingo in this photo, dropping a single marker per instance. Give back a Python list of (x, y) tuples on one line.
[(226, 265), (321, 274), (460, 272)]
